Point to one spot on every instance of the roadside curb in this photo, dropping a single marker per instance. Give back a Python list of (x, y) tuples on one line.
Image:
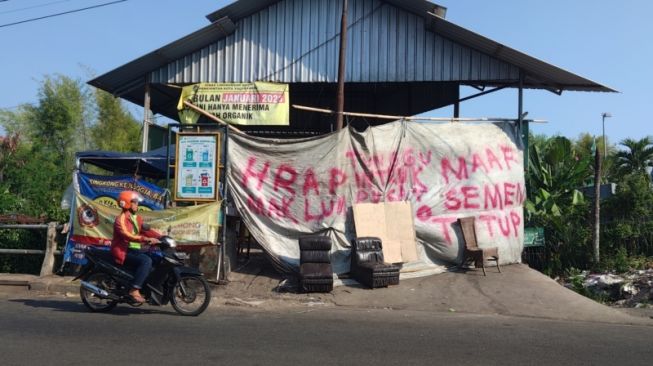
[(54, 287), (517, 291)]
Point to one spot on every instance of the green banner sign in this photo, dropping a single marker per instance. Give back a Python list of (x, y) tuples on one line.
[(533, 237)]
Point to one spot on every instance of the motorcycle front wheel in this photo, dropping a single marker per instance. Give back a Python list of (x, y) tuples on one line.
[(94, 302), (190, 295)]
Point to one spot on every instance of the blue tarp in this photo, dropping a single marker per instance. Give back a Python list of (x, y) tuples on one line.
[(151, 164)]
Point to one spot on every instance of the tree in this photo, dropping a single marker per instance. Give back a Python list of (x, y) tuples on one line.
[(629, 216), (8, 147), (14, 122), (57, 124), (586, 144), (637, 158), (115, 129), (556, 172), (51, 131), (37, 155)]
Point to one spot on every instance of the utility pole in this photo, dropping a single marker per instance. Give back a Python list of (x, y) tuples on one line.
[(597, 192), (597, 205), (605, 143), (340, 102)]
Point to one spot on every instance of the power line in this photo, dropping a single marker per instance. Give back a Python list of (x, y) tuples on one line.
[(350, 26), (32, 7), (58, 14)]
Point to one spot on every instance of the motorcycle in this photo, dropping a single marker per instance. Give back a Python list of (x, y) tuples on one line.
[(105, 285)]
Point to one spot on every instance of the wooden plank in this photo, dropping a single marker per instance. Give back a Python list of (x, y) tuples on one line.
[(400, 225), (392, 222), (370, 220)]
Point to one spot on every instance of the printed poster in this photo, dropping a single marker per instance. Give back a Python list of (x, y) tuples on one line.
[(259, 103), (197, 167), (104, 190), (193, 225)]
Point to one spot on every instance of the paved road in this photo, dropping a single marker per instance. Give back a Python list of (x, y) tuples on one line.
[(46, 331)]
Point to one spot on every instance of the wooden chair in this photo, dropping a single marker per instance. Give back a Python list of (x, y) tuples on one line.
[(472, 251)]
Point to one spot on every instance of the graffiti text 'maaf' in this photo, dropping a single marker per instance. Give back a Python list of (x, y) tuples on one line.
[(397, 176)]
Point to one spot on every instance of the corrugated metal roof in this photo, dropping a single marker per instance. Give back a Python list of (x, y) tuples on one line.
[(243, 8), (296, 41), (539, 74), (133, 74)]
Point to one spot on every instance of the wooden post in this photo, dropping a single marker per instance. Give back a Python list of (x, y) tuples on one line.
[(523, 124), (50, 249), (341, 68), (209, 115), (147, 113)]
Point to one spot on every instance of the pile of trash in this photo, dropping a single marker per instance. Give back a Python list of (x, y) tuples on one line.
[(633, 289)]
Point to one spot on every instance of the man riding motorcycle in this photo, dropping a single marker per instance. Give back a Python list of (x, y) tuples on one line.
[(128, 237)]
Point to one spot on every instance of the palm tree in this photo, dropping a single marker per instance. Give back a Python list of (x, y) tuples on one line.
[(637, 159)]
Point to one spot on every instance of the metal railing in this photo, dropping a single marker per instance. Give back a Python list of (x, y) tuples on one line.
[(50, 244)]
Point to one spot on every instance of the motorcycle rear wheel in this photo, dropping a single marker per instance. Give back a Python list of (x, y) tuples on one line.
[(190, 296), (94, 302)]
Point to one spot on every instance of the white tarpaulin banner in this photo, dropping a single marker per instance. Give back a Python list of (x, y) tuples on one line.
[(285, 189)]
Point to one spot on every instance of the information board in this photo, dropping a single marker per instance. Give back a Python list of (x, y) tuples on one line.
[(533, 237), (197, 159)]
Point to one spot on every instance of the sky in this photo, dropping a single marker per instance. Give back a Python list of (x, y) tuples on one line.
[(608, 42)]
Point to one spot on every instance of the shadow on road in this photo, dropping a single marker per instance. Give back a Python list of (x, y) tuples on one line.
[(76, 307)]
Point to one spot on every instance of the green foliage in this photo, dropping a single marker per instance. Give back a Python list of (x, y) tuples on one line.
[(558, 168), (40, 168), (587, 144), (621, 262), (38, 182), (14, 122), (8, 201), (567, 237), (115, 128), (636, 159), (555, 173), (8, 147), (57, 124), (21, 239), (46, 135), (37, 155), (33, 188), (628, 221)]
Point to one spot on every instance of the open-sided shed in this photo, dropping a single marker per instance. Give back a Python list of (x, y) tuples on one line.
[(403, 58)]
